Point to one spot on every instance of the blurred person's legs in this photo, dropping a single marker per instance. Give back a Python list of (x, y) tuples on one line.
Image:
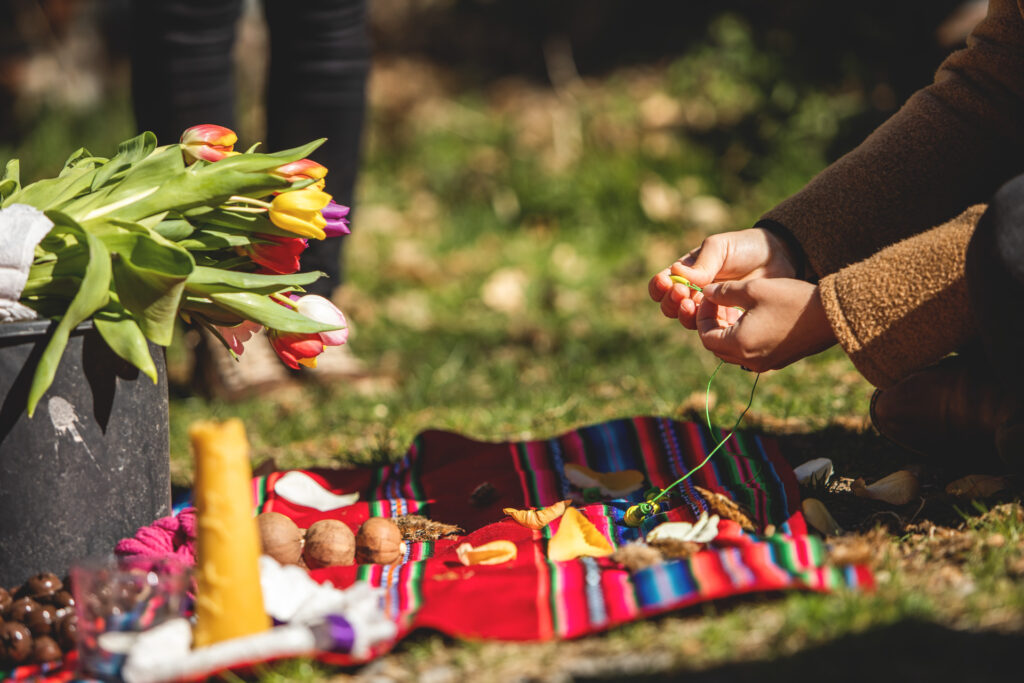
[(969, 407), (316, 88), (183, 75), (182, 70), (995, 283)]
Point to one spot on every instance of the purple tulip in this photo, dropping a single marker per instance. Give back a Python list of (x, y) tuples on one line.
[(335, 214)]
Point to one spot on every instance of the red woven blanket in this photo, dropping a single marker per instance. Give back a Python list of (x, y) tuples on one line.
[(445, 477), (453, 479)]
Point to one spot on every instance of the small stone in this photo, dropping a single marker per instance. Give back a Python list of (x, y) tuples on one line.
[(62, 598), (21, 608), (46, 649), (41, 621), (41, 586), (15, 642), (995, 541), (67, 631)]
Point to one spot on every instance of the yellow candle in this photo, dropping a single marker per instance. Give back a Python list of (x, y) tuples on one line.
[(229, 602)]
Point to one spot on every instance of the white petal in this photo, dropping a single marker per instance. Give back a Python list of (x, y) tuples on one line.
[(300, 488)]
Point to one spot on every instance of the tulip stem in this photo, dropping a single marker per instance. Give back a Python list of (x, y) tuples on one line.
[(241, 199)]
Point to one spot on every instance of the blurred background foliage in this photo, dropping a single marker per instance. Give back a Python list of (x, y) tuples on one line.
[(528, 165)]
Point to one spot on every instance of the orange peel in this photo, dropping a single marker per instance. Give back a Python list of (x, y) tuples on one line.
[(495, 552), (577, 537), (614, 484), (538, 519)]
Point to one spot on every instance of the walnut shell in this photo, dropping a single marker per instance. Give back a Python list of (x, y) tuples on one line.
[(379, 541), (329, 543), (280, 537)]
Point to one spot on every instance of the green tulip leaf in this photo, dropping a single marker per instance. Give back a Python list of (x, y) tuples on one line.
[(124, 337), (210, 239), (92, 295), (204, 280), (129, 153), (149, 276), (242, 222), (174, 229)]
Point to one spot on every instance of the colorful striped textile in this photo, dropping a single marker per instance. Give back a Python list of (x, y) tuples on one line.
[(444, 476)]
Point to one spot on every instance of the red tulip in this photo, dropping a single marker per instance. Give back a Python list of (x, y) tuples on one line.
[(297, 349), (208, 142), (276, 254)]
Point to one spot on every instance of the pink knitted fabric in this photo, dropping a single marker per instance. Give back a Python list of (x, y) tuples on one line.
[(174, 535)]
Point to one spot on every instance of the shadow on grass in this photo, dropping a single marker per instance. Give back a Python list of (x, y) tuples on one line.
[(906, 651)]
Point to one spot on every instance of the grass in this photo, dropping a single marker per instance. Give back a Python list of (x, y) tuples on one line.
[(497, 277)]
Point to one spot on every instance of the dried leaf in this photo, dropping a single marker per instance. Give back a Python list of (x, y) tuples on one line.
[(727, 508), (577, 537), (672, 549), (704, 530), (614, 484), (636, 556), (419, 528), (495, 552), (898, 488), (538, 519), (976, 486), (818, 516)]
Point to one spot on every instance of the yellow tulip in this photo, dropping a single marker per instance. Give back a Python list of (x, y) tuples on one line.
[(299, 212)]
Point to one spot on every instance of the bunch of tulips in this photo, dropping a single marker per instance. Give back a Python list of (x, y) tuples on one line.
[(194, 229)]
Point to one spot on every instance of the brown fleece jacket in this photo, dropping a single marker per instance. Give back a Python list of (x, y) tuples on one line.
[(892, 283)]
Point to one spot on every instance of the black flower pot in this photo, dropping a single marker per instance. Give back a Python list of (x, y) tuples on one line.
[(91, 466)]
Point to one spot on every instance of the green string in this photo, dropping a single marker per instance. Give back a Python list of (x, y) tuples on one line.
[(707, 407), (707, 415)]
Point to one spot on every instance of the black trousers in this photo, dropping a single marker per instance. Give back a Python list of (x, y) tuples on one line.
[(182, 75), (995, 283)]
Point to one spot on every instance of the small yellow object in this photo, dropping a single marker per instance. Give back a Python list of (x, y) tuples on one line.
[(577, 537), (229, 600), (538, 519), (636, 514), (495, 552), (680, 279)]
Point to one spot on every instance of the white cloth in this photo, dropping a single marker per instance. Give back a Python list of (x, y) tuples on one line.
[(22, 227)]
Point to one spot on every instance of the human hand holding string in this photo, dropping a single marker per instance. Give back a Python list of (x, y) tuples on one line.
[(782, 320), (738, 255)]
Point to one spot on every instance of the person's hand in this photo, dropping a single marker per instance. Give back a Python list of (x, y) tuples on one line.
[(782, 321), (739, 255)]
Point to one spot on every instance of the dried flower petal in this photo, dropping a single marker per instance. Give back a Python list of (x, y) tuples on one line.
[(614, 484), (495, 552), (577, 537), (726, 508), (704, 530), (818, 516), (538, 519), (898, 488), (976, 486)]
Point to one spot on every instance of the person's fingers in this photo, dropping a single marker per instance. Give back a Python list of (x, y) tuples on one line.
[(659, 285), (702, 265), (672, 300), (688, 313), (731, 293)]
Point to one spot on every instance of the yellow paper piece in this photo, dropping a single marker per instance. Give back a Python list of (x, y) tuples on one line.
[(577, 537), (538, 519)]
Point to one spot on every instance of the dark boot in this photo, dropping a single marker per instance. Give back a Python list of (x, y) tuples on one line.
[(950, 411)]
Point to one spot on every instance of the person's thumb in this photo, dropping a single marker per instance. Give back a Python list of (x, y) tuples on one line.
[(731, 293), (701, 266)]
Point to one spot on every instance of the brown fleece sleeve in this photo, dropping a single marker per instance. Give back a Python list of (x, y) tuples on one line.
[(950, 146), (906, 306)]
